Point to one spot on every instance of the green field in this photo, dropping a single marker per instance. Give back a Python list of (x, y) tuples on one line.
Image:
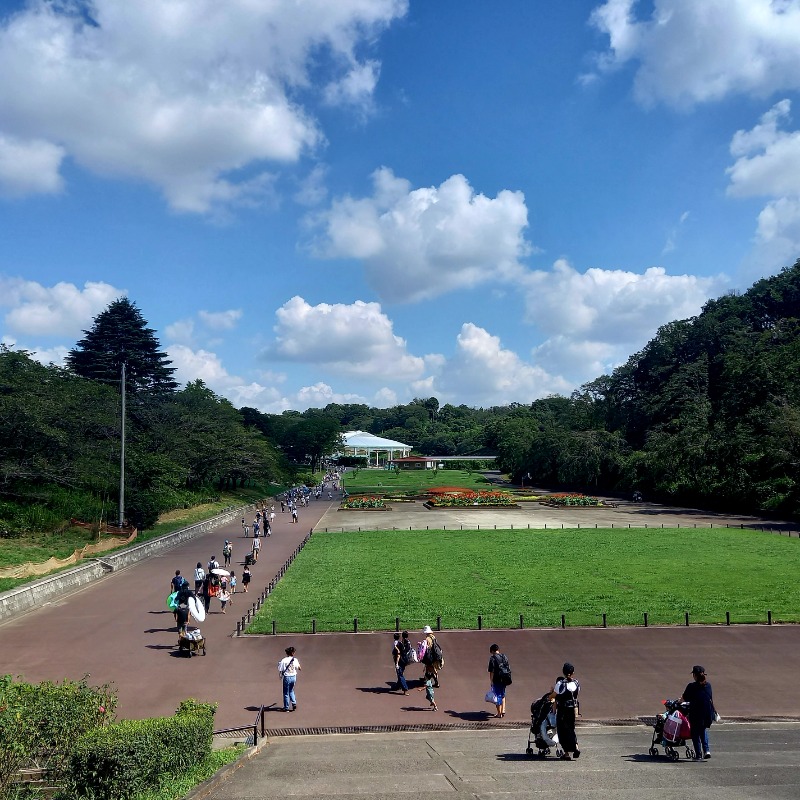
[(416, 481), (419, 575)]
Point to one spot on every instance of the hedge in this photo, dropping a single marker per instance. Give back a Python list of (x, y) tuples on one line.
[(120, 760)]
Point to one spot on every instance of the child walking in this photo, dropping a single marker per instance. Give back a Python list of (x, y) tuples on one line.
[(428, 689)]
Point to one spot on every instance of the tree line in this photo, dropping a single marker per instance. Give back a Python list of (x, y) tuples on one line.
[(707, 413)]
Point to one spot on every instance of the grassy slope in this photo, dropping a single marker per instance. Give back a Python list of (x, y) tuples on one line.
[(416, 576), (39, 546)]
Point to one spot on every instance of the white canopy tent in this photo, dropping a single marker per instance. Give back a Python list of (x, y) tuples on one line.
[(361, 443)]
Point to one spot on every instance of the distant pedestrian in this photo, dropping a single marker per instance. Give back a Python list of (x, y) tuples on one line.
[(212, 564), (245, 527), (199, 577), (567, 707), (400, 662), (256, 549), (294, 514), (288, 668), (227, 551), (500, 671), (245, 578), (283, 506), (233, 586), (224, 597), (701, 711), (256, 529)]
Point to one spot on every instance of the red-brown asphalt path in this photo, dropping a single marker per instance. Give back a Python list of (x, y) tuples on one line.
[(118, 630)]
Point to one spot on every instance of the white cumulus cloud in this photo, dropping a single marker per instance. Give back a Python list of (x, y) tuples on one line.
[(768, 164), (693, 51), (482, 372), (596, 318), (60, 310), (29, 167), (183, 95), (356, 340), (420, 243), (221, 320)]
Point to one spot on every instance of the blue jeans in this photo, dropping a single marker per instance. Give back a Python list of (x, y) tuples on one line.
[(700, 740), (401, 678), (288, 691)]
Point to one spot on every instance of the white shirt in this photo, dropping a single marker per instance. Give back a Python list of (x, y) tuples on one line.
[(288, 666)]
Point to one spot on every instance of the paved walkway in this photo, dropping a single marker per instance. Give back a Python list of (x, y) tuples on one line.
[(750, 762), (119, 630)]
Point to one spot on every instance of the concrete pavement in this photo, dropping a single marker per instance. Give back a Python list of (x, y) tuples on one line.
[(750, 762)]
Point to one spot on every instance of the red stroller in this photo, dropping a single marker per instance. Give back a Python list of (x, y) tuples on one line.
[(672, 731)]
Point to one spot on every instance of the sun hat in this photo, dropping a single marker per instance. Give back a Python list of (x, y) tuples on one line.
[(427, 629)]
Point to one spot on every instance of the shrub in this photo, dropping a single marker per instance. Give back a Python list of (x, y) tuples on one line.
[(40, 723), (363, 502), (466, 498), (123, 759)]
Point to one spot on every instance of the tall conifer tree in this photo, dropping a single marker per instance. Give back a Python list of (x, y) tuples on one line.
[(120, 333)]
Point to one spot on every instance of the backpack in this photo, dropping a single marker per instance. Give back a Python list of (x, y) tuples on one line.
[(227, 550), (436, 652), (407, 652), (503, 670)]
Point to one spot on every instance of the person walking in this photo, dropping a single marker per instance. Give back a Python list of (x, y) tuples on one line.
[(227, 552), (433, 658), (400, 663), (288, 668), (428, 681), (701, 711), (567, 707), (233, 586), (294, 513), (256, 548), (199, 577), (500, 671)]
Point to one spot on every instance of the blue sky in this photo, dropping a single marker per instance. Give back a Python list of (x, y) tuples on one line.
[(374, 200)]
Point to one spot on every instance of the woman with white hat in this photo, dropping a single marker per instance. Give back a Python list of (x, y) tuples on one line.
[(433, 665)]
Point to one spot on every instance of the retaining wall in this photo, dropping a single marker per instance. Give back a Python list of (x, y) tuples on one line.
[(32, 595)]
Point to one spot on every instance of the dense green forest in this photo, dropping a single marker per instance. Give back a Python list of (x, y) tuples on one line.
[(707, 413)]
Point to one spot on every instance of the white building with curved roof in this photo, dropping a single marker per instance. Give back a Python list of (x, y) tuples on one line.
[(362, 444)]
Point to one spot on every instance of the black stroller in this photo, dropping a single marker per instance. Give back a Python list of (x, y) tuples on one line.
[(671, 730), (542, 732)]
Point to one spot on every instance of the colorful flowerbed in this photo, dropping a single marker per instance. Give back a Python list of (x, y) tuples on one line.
[(363, 502), (461, 498), (569, 499)]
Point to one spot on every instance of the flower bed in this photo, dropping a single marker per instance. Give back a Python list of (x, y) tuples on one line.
[(364, 503), (572, 500), (461, 498)]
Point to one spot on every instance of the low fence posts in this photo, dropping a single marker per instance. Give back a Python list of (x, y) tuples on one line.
[(605, 623), (355, 624), (439, 622), (645, 619), (563, 621), (521, 622), (480, 622), (769, 618), (727, 617)]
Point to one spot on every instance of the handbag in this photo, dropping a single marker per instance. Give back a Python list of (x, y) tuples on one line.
[(491, 697)]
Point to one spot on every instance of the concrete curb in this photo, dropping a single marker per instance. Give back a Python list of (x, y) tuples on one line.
[(221, 775), (32, 595)]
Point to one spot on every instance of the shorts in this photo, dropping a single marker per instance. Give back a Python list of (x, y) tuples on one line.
[(499, 692)]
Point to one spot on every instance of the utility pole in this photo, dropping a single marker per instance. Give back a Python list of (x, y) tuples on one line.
[(122, 457)]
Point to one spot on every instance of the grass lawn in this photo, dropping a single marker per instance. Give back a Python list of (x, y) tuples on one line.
[(416, 481), (417, 575)]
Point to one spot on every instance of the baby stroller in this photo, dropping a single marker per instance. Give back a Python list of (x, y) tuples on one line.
[(249, 559), (672, 731), (542, 732)]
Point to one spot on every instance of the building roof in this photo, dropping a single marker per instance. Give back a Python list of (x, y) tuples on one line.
[(414, 458), (368, 441)]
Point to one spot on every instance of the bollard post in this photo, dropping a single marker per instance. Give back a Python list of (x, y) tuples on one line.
[(438, 622), (238, 628), (355, 624), (313, 626), (274, 627), (727, 617), (687, 619), (521, 622), (645, 619), (563, 621), (480, 622), (397, 624), (605, 623), (769, 618)]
